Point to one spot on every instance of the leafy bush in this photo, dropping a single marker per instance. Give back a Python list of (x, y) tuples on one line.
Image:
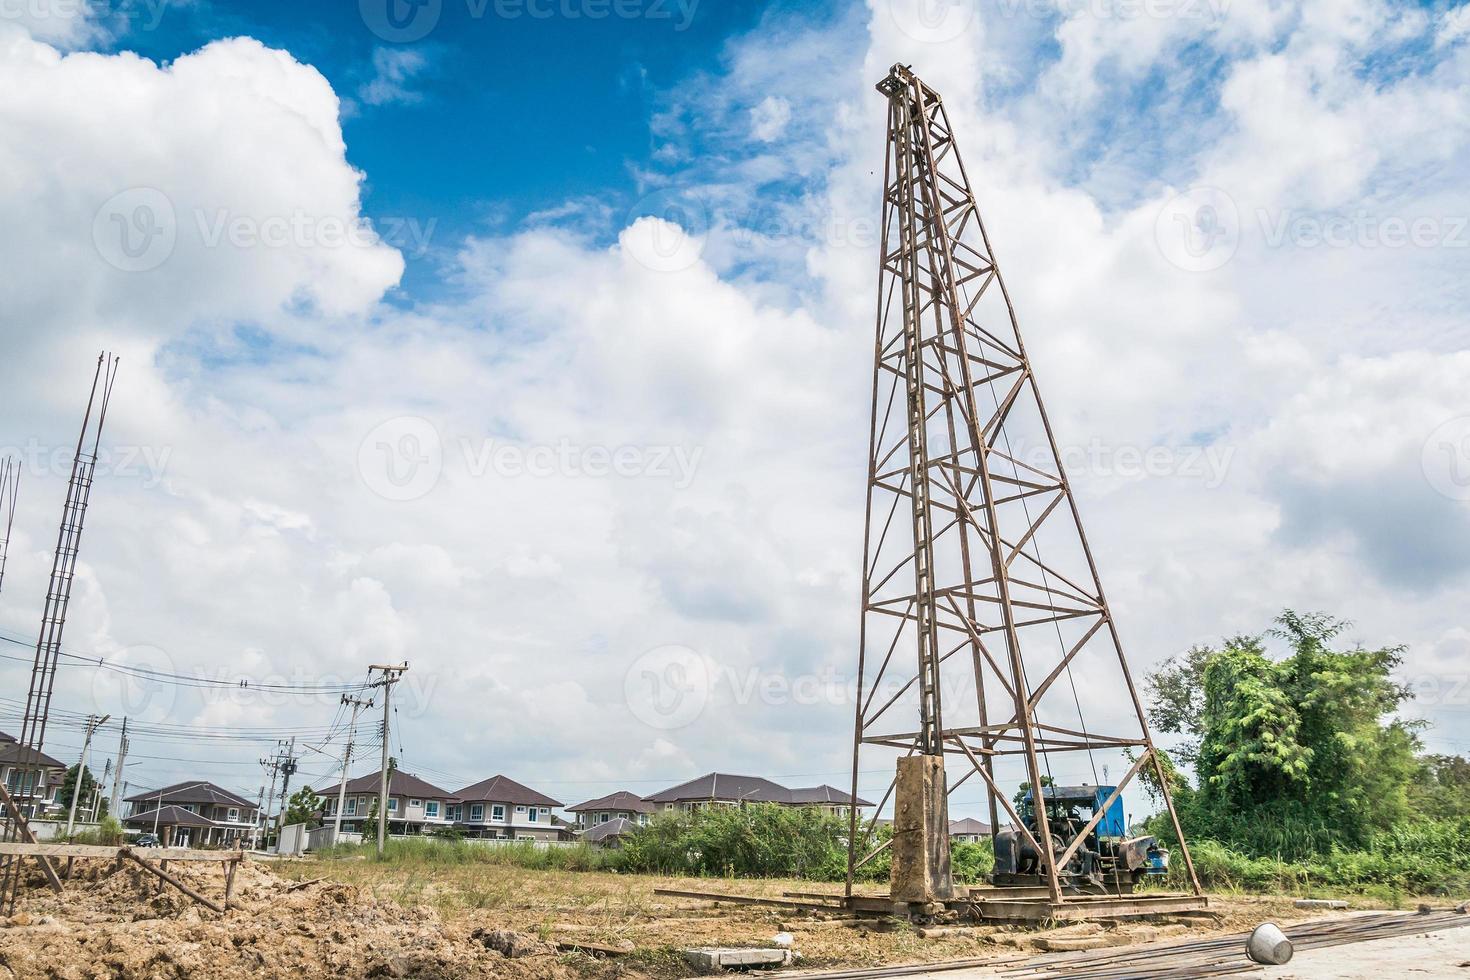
[(443, 850), (972, 862), (1417, 859), (758, 840), (108, 833)]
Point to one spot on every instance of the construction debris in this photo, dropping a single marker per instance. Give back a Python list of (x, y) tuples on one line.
[(709, 960), (113, 921)]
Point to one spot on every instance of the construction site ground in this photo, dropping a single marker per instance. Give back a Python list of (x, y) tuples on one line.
[(308, 919)]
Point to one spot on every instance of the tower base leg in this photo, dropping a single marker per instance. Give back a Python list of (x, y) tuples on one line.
[(921, 870)]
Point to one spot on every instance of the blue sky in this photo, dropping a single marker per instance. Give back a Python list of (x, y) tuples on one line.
[(509, 109), (1326, 382)]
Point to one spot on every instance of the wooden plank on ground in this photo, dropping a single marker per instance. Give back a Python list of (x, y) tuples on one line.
[(109, 852), (165, 876), (1129, 906), (52, 878), (785, 903)]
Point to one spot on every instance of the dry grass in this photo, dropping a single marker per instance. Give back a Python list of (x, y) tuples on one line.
[(622, 910)]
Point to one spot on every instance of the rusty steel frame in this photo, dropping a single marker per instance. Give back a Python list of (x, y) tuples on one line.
[(53, 616), (979, 580), (9, 495)]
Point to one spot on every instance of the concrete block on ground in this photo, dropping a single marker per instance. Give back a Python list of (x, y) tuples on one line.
[(1071, 944), (921, 860), (708, 959), (1320, 903)]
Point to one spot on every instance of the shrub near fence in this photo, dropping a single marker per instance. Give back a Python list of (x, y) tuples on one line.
[(520, 854), (762, 840)]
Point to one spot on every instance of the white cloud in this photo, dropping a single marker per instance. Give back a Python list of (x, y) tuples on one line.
[(769, 119), (521, 601), (394, 69), (65, 23)]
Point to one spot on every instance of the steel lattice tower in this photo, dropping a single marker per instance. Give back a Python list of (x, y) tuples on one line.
[(980, 593), (53, 616), (9, 495)]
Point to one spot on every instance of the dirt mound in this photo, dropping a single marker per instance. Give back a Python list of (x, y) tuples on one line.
[(115, 923)]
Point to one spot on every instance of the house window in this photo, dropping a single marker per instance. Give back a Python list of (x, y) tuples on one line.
[(604, 817), (520, 809), (232, 814), (532, 815), (431, 809), (351, 806), (392, 804), (415, 804), (497, 812), (477, 812)]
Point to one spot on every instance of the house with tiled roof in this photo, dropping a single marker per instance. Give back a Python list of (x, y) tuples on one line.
[(415, 806), (968, 830), (198, 811), (34, 784), (503, 809), (609, 833), (725, 789), (621, 805)]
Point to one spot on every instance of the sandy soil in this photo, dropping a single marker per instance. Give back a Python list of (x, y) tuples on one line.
[(311, 919), (1436, 956)]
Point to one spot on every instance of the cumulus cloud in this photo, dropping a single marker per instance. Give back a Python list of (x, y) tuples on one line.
[(600, 448)]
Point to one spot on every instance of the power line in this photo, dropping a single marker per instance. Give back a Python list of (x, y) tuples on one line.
[(185, 680)]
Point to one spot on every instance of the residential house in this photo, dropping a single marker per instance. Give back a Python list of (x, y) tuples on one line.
[(34, 785), (199, 813), (414, 806), (566, 830), (609, 833), (501, 808), (968, 831), (621, 805), (723, 789)]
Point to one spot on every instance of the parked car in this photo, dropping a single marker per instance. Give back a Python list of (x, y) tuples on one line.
[(147, 840)]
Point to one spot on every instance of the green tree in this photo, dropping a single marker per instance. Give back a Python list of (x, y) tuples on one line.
[(370, 822), (84, 801), (1293, 755), (1441, 790), (1025, 788), (304, 807)]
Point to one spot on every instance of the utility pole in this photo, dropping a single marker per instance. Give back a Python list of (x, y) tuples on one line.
[(93, 723), (255, 824), (288, 766), (97, 791), (390, 677), (117, 778), (357, 705), (274, 765)]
